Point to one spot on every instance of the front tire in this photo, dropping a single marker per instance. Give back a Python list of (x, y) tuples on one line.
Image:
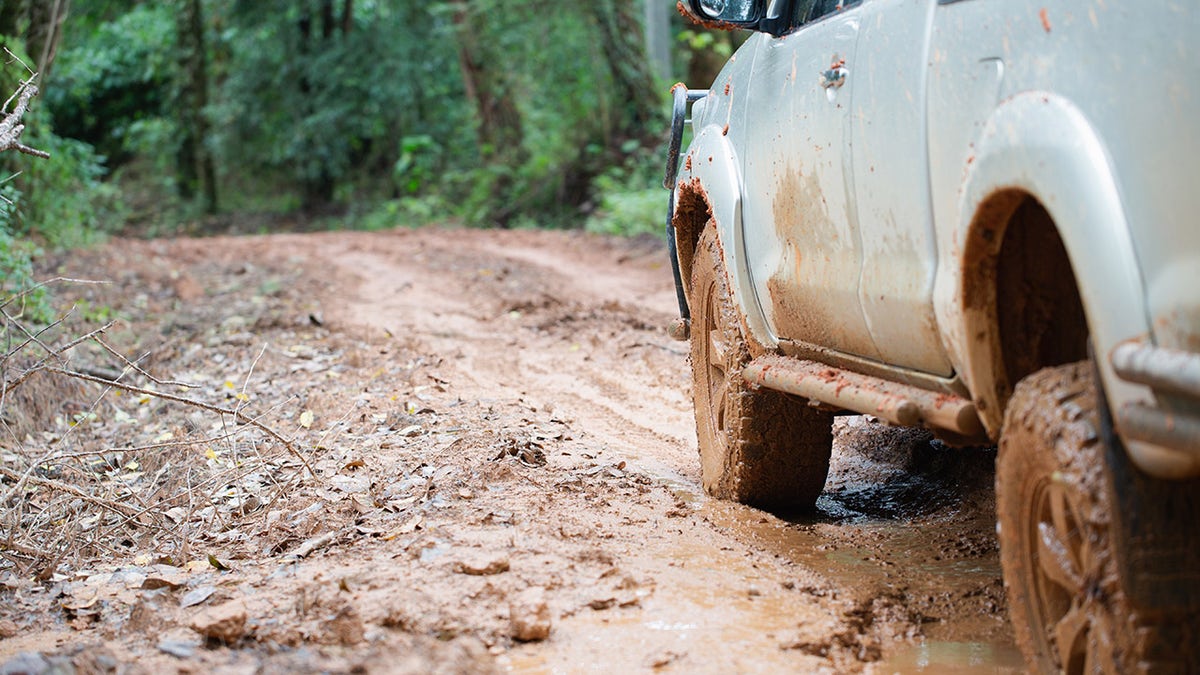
[(757, 446)]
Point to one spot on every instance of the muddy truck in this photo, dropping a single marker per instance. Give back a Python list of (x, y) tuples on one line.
[(978, 217)]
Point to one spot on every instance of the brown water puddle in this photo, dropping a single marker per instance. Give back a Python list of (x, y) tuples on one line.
[(938, 569)]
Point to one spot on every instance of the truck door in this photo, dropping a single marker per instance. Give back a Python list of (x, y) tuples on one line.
[(799, 223), (889, 140)]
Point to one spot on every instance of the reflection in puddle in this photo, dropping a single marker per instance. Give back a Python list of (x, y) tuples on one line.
[(933, 656)]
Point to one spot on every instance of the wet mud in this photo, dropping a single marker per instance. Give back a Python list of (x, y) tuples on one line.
[(513, 402)]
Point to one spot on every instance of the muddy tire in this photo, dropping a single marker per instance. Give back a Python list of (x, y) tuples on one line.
[(757, 446), (1068, 601)]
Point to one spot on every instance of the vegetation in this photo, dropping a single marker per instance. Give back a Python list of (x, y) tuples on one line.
[(197, 115)]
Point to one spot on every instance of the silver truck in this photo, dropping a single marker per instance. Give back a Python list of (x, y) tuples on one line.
[(981, 217)]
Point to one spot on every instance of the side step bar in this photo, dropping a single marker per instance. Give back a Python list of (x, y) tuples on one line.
[(1171, 425), (901, 404)]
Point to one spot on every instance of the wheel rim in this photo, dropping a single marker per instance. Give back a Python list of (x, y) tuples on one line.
[(1066, 573), (714, 353)]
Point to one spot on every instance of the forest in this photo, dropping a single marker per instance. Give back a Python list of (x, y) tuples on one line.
[(204, 116)]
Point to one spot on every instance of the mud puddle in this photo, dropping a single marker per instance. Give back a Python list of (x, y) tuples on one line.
[(906, 527)]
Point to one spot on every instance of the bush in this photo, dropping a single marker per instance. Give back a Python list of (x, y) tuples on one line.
[(16, 263), (632, 199)]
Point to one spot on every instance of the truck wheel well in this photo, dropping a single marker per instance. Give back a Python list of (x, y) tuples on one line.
[(1039, 315)]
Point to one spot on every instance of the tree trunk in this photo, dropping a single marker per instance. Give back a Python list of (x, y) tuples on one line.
[(46, 19), (317, 185), (194, 162), (638, 96), (347, 16), (328, 23), (658, 36), (499, 122)]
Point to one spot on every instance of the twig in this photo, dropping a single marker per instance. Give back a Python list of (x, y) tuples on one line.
[(29, 337), (134, 365), (207, 440), (41, 365), (303, 550), (237, 415), (10, 126), (47, 282), (60, 486)]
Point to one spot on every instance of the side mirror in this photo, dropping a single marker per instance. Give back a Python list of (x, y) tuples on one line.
[(737, 12), (767, 16)]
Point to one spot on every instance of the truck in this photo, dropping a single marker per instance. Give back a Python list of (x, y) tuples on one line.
[(981, 217)]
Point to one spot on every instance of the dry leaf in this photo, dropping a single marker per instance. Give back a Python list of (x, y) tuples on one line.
[(407, 528)]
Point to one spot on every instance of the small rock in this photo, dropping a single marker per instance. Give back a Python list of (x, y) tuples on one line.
[(94, 660), (529, 616), (7, 628), (182, 649), (197, 595), (164, 576), (148, 614), (663, 659), (225, 623), (602, 603), (481, 566)]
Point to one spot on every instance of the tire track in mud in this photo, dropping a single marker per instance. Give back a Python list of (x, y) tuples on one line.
[(575, 373)]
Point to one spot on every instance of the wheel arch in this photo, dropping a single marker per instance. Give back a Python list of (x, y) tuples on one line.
[(1043, 217), (709, 187)]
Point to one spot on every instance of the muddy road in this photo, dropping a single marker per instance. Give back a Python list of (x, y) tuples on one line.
[(499, 474)]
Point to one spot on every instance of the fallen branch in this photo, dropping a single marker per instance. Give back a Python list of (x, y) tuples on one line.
[(20, 479), (42, 284), (41, 365), (236, 414), (134, 366)]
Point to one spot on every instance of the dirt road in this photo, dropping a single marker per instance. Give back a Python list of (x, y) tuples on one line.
[(494, 469)]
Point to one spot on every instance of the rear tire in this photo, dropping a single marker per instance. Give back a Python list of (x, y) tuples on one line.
[(1069, 603), (757, 446)]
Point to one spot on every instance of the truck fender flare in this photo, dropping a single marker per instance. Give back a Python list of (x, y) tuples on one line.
[(710, 186), (1036, 144)]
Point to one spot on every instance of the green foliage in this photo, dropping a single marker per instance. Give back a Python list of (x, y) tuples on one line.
[(321, 107), (632, 199), (374, 121), (418, 162), (66, 202), (404, 212), (701, 40), (16, 264), (116, 79), (61, 201)]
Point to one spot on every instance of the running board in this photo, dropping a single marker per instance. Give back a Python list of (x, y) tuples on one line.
[(897, 403)]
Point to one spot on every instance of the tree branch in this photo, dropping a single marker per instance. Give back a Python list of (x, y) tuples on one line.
[(11, 127)]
